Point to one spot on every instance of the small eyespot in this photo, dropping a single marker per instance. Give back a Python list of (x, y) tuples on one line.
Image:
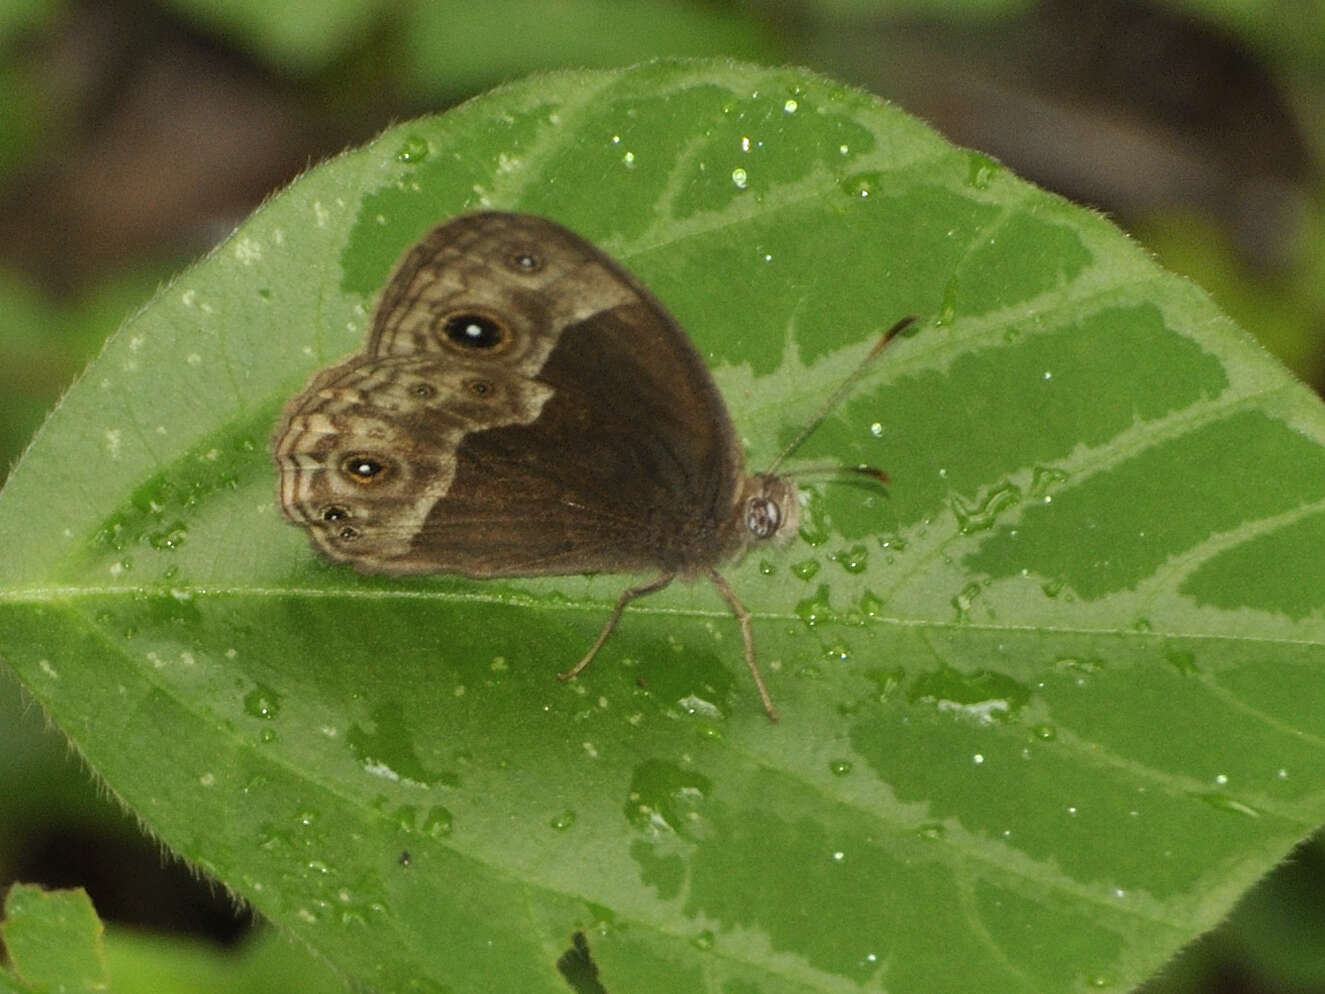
[(334, 513), (474, 331), (524, 261), (426, 391), (362, 469), (762, 516), (479, 387), (348, 533)]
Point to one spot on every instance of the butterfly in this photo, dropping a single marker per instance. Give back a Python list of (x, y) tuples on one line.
[(524, 407)]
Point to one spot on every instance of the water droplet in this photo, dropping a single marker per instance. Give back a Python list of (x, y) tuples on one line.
[(1044, 732), (853, 560), (789, 106), (838, 652), (437, 823), (1183, 662), (815, 527), (1220, 801), (964, 599), (766, 568), (981, 517), (983, 696), (665, 798), (806, 569), (171, 537), (563, 820), (740, 178), (839, 767), (876, 429), (1076, 665), (948, 306), (629, 160), (981, 170), (871, 605), (694, 704), (704, 940), (262, 702), (862, 185), (887, 683), (1045, 479), (412, 149), (816, 610), (932, 831), (1052, 588)]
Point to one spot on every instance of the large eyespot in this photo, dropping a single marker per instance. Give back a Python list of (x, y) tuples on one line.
[(524, 261), (474, 331), (762, 516), (363, 469), (334, 513)]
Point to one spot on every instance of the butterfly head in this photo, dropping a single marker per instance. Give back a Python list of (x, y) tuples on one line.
[(767, 509)]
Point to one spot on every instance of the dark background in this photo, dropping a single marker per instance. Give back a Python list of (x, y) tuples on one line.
[(134, 135)]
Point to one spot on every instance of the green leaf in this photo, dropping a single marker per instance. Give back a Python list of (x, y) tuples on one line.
[(54, 940), (1050, 703)]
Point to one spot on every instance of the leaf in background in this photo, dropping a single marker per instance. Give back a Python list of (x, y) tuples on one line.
[(1049, 705), (462, 48), (53, 939), (298, 37)]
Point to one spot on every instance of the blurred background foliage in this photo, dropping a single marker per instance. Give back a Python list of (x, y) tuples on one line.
[(134, 134)]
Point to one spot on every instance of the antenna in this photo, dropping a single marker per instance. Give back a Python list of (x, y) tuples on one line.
[(831, 404)]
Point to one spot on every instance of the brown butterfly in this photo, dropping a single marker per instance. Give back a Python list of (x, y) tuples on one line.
[(525, 407)]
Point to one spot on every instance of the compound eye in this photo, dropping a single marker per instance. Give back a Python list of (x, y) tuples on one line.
[(762, 516)]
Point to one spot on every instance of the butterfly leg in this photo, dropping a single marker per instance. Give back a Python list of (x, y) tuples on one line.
[(743, 616), (652, 587)]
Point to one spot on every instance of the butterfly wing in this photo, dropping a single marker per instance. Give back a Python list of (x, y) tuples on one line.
[(571, 427)]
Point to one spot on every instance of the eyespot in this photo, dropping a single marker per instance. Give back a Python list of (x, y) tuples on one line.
[(762, 516), (363, 469), (334, 513), (479, 387), (524, 261), (426, 391), (348, 533), (474, 331)]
